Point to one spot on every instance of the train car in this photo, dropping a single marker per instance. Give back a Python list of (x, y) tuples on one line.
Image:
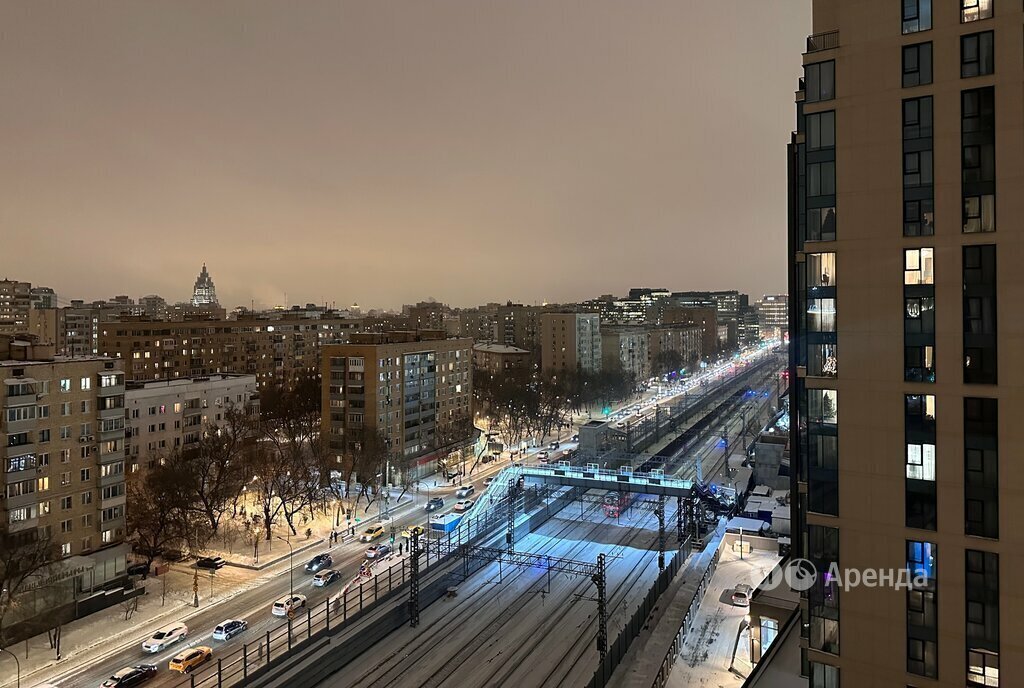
[(616, 503)]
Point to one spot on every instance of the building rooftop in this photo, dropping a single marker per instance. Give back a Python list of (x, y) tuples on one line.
[(499, 349)]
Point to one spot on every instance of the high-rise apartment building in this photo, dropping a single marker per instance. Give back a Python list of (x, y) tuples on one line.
[(518, 325), (570, 342), (627, 349), (413, 388), (63, 428), (905, 176)]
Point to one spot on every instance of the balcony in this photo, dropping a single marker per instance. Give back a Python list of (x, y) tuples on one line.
[(826, 40)]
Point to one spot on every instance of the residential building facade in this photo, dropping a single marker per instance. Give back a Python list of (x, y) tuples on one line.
[(905, 173), (167, 416), (413, 388), (498, 359), (626, 349), (570, 342)]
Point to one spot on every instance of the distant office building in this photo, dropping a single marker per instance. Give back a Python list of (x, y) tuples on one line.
[(501, 358), (167, 416), (413, 388), (727, 305), (627, 349), (204, 293), (570, 342), (748, 330), (773, 315)]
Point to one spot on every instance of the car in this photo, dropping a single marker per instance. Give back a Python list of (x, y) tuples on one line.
[(488, 458), (229, 628), (553, 446), (567, 454), (187, 660), (210, 563), (413, 530), (374, 551), (489, 481), (324, 578), (542, 456), (172, 554), (463, 505), (168, 635), (741, 595), (287, 604), (138, 570), (320, 561), (372, 533), (434, 504), (465, 491), (130, 676), (574, 438)]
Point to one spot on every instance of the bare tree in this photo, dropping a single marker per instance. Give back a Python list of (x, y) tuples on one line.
[(157, 514), (23, 558)]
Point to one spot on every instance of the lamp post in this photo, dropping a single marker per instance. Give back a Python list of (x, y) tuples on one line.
[(16, 663), (291, 565)]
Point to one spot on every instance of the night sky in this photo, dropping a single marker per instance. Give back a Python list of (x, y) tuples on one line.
[(386, 152)]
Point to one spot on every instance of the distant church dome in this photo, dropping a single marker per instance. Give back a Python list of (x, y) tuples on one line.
[(204, 293)]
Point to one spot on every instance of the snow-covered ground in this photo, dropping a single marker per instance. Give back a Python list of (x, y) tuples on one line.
[(707, 653), (515, 627)]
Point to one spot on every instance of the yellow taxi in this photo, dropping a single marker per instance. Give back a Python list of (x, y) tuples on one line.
[(413, 530), (188, 660), (372, 533)]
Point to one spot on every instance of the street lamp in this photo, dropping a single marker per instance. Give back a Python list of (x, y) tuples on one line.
[(291, 565), (16, 663)]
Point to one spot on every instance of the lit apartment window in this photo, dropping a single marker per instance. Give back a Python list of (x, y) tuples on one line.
[(982, 596), (973, 10), (922, 609), (918, 266), (919, 432)]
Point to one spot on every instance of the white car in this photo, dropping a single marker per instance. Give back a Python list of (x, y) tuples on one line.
[(166, 636), (288, 603), (229, 628), (463, 505)]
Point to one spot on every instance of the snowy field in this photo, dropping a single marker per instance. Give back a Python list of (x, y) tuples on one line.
[(520, 627)]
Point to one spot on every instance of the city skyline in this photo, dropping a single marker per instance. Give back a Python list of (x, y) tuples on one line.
[(326, 135)]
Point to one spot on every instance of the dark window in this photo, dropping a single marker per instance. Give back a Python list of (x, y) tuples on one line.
[(917, 65), (982, 601), (973, 10), (821, 223), (981, 467), (821, 179), (978, 159), (917, 15), (823, 596), (979, 306), (821, 130), (977, 54), (922, 609), (819, 81)]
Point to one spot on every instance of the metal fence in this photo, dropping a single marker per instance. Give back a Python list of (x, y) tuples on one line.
[(618, 648), (341, 610)]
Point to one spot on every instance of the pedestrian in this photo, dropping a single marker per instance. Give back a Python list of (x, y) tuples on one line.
[(352, 531), (399, 549)]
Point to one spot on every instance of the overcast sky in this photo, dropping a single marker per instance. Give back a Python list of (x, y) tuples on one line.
[(389, 151)]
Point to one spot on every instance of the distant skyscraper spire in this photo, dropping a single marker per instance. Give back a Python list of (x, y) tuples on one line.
[(204, 293)]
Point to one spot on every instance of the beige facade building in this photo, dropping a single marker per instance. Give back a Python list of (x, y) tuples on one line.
[(63, 456), (15, 303), (275, 351), (497, 359), (626, 349), (166, 416), (570, 342), (413, 388), (704, 317), (686, 339), (906, 172)]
